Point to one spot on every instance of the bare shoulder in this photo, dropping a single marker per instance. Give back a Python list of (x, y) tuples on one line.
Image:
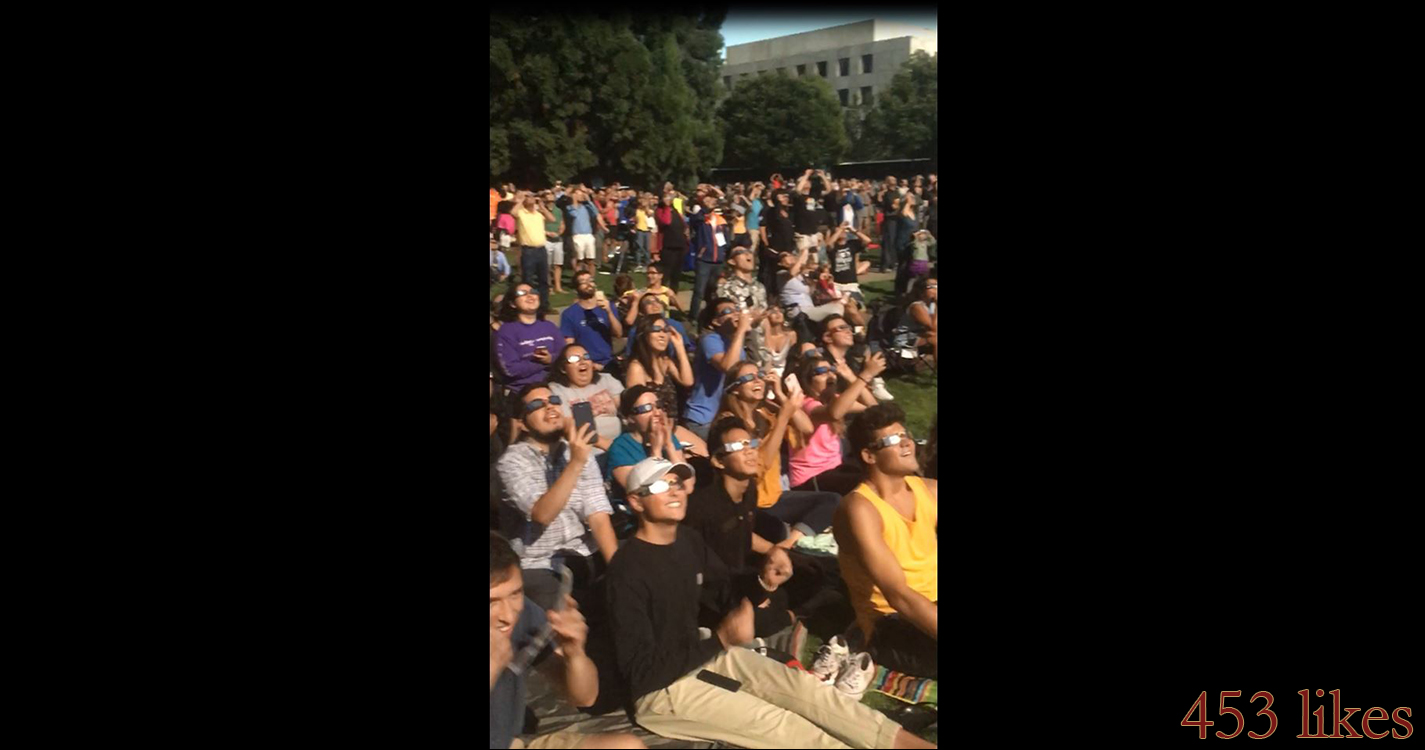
[(856, 512), (931, 486)]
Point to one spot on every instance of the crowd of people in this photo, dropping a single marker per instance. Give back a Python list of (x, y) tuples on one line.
[(677, 492)]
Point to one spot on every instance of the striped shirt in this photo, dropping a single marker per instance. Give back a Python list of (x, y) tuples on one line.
[(526, 472)]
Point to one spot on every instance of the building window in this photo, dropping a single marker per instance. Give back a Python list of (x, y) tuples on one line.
[(801, 70), (845, 95), (845, 65), (866, 95), (821, 69), (865, 63), (727, 81), (781, 71)]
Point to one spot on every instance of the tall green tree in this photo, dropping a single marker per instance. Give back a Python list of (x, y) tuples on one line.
[(904, 119), (574, 97), (776, 121)]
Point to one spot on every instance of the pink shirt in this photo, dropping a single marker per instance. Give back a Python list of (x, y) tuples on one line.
[(821, 453)]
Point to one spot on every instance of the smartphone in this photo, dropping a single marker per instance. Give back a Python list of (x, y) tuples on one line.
[(584, 415), (713, 678), (792, 382), (527, 655)]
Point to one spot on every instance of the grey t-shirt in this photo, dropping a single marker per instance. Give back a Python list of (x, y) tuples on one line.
[(603, 394), (795, 292)]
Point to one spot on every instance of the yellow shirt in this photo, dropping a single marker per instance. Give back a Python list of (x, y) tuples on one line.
[(531, 227), (678, 205), (915, 546), (642, 218), (739, 224)]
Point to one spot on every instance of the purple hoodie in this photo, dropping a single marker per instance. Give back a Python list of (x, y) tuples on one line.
[(515, 343)]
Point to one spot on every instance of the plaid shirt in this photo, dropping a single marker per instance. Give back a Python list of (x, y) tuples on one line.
[(526, 474), (737, 290)]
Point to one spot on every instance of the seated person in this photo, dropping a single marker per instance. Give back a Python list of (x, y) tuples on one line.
[(650, 433), (655, 585), (515, 624), (665, 296), (649, 306), (525, 342), (723, 512), (550, 478), (773, 423), (660, 361), (817, 465), (889, 548), (575, 380)]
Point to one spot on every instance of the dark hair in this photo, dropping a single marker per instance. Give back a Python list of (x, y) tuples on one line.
[(725, 405), (643, 351), (631, 396), (518, 405), (557, 374), (825, 324), (804, 375), (502, 558), (705, 316), (719, 429), (508, 312), (917, 288), (581, 272), (863, 431), (622, 283)]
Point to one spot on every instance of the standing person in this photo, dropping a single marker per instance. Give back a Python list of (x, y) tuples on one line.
[(583, 218), (922, 244), (659, 361), (554, 240), (530, 216), (889, 549), (505, 229), (906, 236), (778, 236), (719, 350), (591, 321), (754, 215), (549, 477), (818, 465), (642, 218), (806, 217), (674, 232), (847, 244), (515, 623), (655, 584), (709, 244), (499, 264), (615, 231), (525, 343), (890, 205)]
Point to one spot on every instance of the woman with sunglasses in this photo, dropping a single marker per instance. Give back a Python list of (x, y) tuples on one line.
[(921, 313), (526, 342), (649, 433), (649, 305), (818, 465), (776, 343), (659, 361), (574, 380)]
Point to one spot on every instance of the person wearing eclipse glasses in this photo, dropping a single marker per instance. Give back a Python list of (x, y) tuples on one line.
[(886, 530), (525, 343), (686, 686), (649, 433), (575, 379), (549, 478), (591, 321)]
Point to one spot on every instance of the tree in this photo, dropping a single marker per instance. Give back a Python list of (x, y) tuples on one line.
[(778, 121), (904, 119), (574, 97)]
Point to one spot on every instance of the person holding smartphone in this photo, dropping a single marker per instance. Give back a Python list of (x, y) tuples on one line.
[(525, 342), (575, 380), (591, 321)]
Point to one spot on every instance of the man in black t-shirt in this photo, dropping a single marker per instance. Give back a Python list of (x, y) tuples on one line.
[(890, 223), (847, 243), (807, 216), (778, 236), (688, 686)]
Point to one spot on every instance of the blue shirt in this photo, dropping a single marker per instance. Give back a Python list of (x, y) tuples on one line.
[(581, 217), (507, 700), (707, 380), (590, 329), (754, 215), (498, 260)]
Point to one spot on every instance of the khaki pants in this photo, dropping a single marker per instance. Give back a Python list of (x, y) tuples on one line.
[(551, 741), (777, 706)]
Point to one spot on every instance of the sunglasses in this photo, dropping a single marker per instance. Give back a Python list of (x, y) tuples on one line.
[(735, 447), (659, 329), (659, 487), (575, 359), (931, 286), (890, 440), (523, 292), (644, 409), (540, 403), (820, 370), (723, 313), (748, 378)]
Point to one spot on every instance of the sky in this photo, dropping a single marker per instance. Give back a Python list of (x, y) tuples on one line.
[(744, 25)]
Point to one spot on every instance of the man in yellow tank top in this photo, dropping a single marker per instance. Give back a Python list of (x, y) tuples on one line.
[(887, 532)]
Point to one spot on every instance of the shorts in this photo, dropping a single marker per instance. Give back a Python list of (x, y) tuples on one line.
[(583, 247), (506, 241), (556, 252), (808, 241)]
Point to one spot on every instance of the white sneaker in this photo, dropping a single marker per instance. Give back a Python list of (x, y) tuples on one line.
[(830, 660), (878, 389), (856, 676)]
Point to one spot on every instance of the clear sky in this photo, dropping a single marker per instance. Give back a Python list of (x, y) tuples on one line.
[(744, 25)]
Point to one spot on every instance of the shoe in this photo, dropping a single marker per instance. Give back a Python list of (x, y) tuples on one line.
[(830, 660), (605, 273), (856, 676), (878, 389)]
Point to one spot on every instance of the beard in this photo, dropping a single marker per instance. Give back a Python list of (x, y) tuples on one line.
[(587, 292), (551, 436)]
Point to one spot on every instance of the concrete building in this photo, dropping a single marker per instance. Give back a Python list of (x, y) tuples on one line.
[(857, 59)]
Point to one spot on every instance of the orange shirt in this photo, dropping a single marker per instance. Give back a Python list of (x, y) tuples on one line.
[(494, 202)]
